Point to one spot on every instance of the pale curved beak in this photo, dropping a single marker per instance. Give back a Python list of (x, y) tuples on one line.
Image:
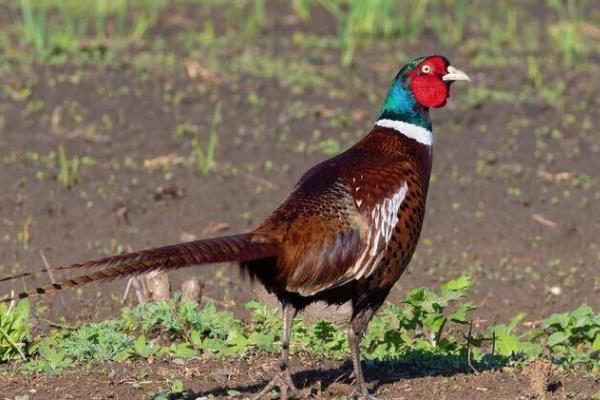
[(455, 74)]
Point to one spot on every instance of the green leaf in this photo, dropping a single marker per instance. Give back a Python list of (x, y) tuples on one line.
[(507, 344), (557, 338), (262, 341), (434, 321), (560, 320), (515, 321), (460, 314), (324, 330), (15, 341), (122, 355), (195, 338), (596, 343), (142, 348), (214, 345), (583, 322), (460, 284), (183, 350), (581, 312), (530, 349), (416, 296), (176, 386)]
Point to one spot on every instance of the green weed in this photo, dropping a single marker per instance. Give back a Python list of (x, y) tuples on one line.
[(104, 341), (429, 327), (498, 21), (449, 20), (143, 348), (204, 155), (50, 360), (56, 27), (256, 18), (574, 338), (15, 340), (508, 343), (24, 234), (359, 20), (566, 33), (33, 25), (57, 164), (551, 90), (297, 75), (68, 169), (302, 8)]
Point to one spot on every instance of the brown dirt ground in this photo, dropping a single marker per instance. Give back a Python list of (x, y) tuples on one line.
[(482, 151), (317, 380)]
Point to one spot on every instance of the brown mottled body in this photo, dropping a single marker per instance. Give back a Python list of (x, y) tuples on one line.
[(322, 226)]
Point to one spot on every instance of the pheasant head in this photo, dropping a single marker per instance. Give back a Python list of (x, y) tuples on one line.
[(421, 84)]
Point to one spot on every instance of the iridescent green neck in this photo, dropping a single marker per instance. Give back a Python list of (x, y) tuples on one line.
[(400, 105)]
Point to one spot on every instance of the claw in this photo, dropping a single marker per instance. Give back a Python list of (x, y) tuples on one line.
[(283, 380)]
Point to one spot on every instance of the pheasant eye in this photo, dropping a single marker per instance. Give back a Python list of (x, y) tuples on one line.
[(426, 69)]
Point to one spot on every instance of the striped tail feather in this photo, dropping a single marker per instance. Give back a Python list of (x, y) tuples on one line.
[(244, 247)]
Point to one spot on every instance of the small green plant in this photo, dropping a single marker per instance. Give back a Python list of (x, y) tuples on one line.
[(448, 20), (50, 360), (145, 349), (359, 20), (33, 25), (302, 8), (24, 235), (15, 339), (68, 169), (507, 343), (551, 90), (567, 33), (176, 386), (175, 391), (322, 339), (574, 338), (185, 129), (104, 341), (429, 327), (257, 17), (204, 156), (265, 325), (498, 21), (56, 27), (427, 311)]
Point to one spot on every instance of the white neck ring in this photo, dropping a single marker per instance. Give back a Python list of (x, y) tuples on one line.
[(418, 133)]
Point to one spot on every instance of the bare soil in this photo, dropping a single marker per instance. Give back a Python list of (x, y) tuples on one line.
[(317, 380)]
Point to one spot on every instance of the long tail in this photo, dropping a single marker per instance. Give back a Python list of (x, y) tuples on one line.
[(245, 247)]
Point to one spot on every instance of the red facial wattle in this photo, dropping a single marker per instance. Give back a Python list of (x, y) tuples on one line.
[(427, 83), (430, 90)]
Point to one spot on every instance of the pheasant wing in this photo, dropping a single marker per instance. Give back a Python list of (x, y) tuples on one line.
[(336, 224)]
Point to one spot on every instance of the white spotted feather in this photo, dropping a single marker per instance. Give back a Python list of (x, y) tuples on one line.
[(383, 219)]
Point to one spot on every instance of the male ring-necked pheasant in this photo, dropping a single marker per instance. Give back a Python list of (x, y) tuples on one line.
[(346, 232)]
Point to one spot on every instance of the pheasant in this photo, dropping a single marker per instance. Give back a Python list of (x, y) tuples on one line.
[(346, 232)]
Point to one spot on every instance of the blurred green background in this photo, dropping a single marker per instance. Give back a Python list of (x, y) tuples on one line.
[(54, 29)]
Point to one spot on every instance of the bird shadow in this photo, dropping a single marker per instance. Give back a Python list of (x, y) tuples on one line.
[(415, 364)]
